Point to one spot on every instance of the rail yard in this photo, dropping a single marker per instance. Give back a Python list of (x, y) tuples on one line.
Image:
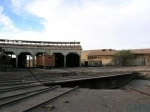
[(74, 56), (47, 76), (21, 92)]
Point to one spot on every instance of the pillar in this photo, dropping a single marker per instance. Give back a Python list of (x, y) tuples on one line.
[(33, 60), (29, 60), (16, 61), (64, 60), (79, 61)]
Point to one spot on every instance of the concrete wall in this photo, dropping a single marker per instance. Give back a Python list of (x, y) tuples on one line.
[(147, 61), (135, 62), (33, 51), (84, 55), (106, 60)]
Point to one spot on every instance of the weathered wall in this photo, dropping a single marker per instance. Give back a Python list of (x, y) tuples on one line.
[(84, 55), (106, 60), (135, 62)]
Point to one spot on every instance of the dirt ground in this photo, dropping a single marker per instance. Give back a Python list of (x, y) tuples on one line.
[(92, 70), (90, 100)]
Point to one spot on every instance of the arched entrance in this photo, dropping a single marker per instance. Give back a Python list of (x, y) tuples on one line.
[(13, 58), (59, 60), (72, 60), (23, 60)]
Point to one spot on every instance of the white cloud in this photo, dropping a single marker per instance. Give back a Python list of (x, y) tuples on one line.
[(18, 7), (5, 22), (97, 24)]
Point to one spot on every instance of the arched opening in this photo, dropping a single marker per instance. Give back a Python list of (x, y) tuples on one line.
[(59, 60), (24, 59), (12, 56), (4, 57), (72, 60)]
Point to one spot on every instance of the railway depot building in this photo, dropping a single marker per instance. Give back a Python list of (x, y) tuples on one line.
[(103, 55), (67, 54), (106, 56)]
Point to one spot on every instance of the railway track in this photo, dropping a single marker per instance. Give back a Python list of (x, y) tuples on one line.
[(6, 89), (27, 96)]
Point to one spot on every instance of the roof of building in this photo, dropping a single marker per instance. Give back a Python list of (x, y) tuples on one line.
[(25, 46), (39, 44), (35, 42), (96, 50), (102, 53), (140, 51), (107, 52)]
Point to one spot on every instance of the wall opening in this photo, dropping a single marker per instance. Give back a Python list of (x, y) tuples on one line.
[(59, 60), (13, 58), (23, 59), (72, 60)]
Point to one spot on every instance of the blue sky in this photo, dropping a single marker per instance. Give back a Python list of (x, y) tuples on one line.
[(97, 24), (24, 21)]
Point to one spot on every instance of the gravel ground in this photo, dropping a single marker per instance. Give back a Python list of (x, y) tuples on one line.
[(88, 100), (22, 72)]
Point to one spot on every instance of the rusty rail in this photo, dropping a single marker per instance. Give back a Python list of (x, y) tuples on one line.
[(32, 74), (27, 96), (49, 100)]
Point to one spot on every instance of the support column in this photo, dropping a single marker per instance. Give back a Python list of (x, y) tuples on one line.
[(16, 61), (79, 61), (33, 60), (64, 60), (29, 61)]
